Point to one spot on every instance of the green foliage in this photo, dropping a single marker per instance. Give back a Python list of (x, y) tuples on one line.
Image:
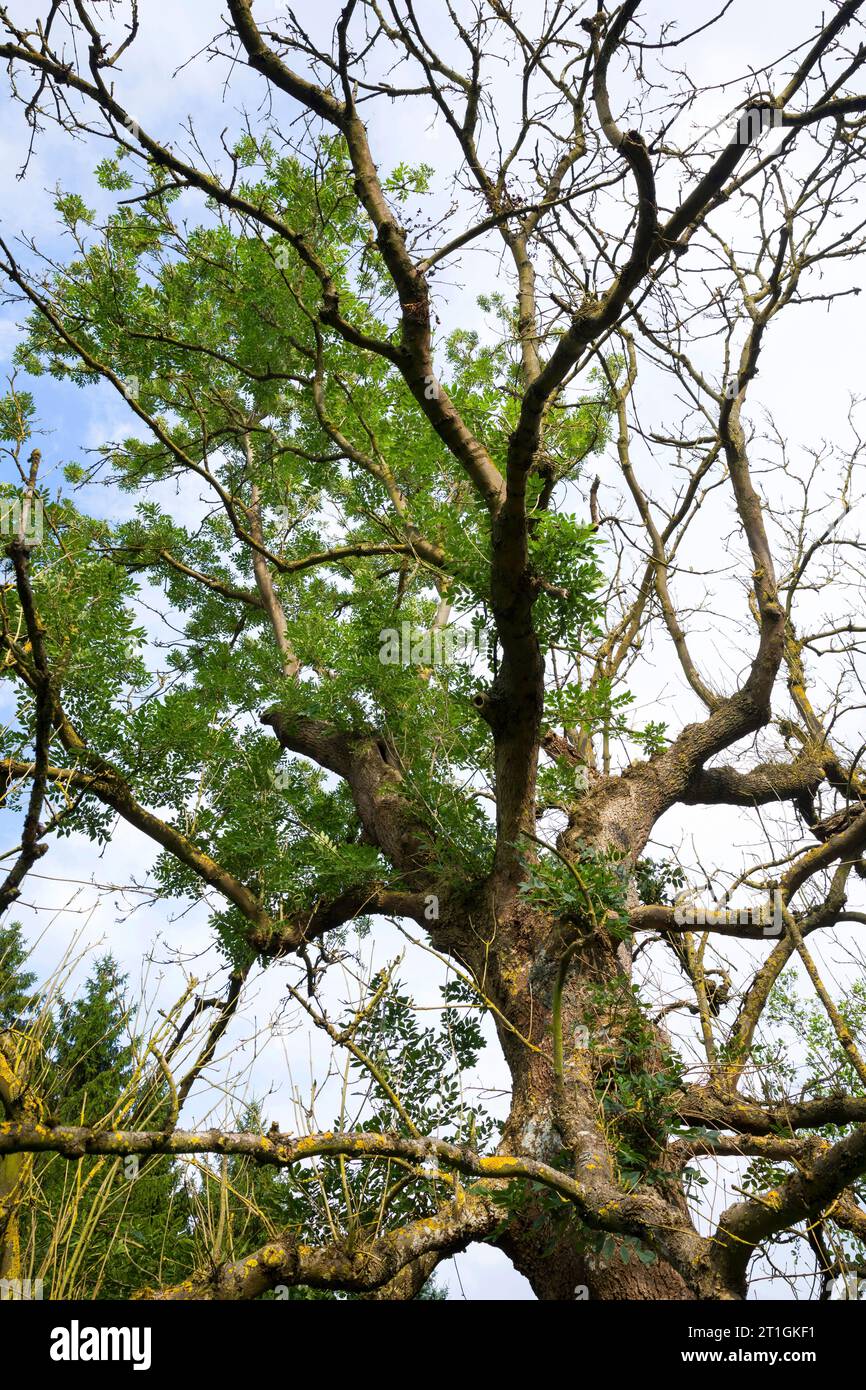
[(17, 409), (818, 1066), (91, 1056), (16, 981), (552, 1216), (215, 335), (590, 891), (107, 1228), (423, 1066), (564, 551), (99, 1228), (637, 1081), (655, 878), (652, 738), (592, 708), (404, 180), (212, 332)]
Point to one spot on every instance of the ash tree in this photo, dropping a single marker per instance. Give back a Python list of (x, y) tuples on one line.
[(573, 475)]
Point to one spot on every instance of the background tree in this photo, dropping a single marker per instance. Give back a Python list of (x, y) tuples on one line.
[(357, 469), (101, 1227), (16, 980), (110, 1225)]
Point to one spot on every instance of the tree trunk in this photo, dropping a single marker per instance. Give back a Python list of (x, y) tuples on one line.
[(559, 1257)]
